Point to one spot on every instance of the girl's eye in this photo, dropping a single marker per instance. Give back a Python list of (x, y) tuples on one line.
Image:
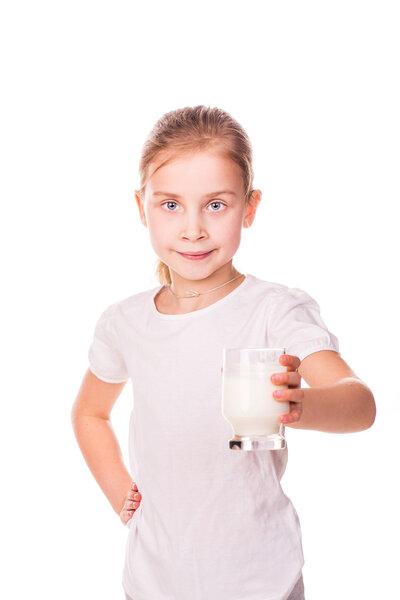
[(169, 202), (212, 203), (216, 202)]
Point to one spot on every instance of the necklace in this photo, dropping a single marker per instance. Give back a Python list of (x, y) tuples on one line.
[(195, 293)]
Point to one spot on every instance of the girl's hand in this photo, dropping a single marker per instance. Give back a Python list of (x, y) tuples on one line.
[(132, 501), (294, 394)]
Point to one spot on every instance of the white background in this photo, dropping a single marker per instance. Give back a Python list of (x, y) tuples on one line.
[(316, 86)]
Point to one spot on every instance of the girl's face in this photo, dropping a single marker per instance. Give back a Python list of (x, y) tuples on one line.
[(195, 204)]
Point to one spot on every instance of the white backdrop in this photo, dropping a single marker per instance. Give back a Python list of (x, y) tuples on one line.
[(316, 86)]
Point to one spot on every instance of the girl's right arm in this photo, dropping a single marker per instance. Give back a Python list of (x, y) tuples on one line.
[(92, 426)]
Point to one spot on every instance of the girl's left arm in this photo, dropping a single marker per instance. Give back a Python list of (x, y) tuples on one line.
[(337, 401)]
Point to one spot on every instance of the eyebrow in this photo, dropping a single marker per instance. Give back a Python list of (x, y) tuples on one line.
[(160, 193)]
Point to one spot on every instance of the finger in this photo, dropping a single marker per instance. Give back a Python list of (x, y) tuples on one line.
[(291, 417), (126, 515), (296, 410), (290, 361), (129, 505), (132, 495), (288, 378), (290, 395), (134, 486)]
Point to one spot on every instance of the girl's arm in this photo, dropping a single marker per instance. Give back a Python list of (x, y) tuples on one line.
[(337, 401), (93, 430)]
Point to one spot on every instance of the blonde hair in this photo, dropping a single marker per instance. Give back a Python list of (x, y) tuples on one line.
[(191, 129)]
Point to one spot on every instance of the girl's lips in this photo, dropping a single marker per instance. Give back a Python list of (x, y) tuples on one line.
[(196, 256)]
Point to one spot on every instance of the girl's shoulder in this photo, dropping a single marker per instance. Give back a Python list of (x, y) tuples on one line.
[(139, 296), (277, 292), (132, 305)]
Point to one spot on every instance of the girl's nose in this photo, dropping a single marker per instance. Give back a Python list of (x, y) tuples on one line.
[(193, 230)]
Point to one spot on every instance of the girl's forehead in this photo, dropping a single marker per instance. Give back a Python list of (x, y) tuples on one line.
[(200, 165)]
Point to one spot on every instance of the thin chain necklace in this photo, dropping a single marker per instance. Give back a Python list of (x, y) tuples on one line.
[(195, 293)]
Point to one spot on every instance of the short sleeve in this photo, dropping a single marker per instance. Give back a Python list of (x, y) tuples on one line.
[(295, 323), (105, 359)]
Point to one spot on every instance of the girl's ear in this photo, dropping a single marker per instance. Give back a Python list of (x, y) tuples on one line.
[(251, 208), (140, 207)]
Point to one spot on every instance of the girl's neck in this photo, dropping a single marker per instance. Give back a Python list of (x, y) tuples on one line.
[(167, 303)]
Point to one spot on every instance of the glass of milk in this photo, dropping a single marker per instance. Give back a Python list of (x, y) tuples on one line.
[(247, 400)]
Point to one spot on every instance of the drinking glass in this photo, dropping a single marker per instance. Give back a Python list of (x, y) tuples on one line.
[(247, 400)]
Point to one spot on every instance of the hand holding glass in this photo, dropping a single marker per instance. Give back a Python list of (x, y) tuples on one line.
[(247, 398)]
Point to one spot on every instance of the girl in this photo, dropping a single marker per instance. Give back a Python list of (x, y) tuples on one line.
[(204, 522)]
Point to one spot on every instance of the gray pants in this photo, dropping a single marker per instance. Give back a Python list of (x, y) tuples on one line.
[(297, 592)]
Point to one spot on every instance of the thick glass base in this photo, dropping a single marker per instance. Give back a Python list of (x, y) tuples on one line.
[(258, 442)]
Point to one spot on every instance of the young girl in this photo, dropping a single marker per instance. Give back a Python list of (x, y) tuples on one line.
[(205, 523)]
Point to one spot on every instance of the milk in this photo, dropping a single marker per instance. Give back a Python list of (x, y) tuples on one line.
[(247, 401)]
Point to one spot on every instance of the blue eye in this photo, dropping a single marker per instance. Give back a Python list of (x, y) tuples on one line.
[(169, 202), (216, 202)]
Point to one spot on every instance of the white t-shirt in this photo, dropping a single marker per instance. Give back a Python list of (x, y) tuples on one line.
[(213, 523)]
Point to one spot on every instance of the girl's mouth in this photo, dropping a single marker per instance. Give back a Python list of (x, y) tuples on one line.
[(196, 256)]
